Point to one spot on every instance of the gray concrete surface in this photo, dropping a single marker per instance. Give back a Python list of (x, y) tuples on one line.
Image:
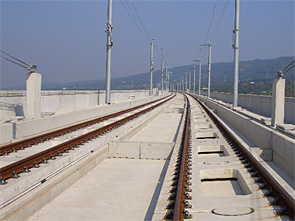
[(278, 102), (94, 151), (260, 136), (25, 128), (27, 180), (140, 150), (259, 104), (33, 96), (162, 129), (219, 183), (118, 189), (13, 103), (138, 189), (127, 188)]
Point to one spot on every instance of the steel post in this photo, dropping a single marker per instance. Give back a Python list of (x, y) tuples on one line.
[(236, 53), (152, 68), (200, 76), (109, 52), (209, 71)]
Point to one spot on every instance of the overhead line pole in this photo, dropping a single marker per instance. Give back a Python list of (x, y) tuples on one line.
[(169, 84), (109, 52), (209, 71), (166, 78), (162, 70), (194, 86), (183, 83), (200, 76), (190, 81), (186, 82), (236, 43), (209, 68), (152, 67)]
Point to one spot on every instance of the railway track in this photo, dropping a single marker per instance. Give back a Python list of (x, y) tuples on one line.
[(14, 169), (181, 201), (181, 178), (29, 142)]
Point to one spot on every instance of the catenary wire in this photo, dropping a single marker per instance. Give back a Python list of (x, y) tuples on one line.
[(14, 62), (14, 58), (142, 30), (285, 68), (220, 20), (201, 52), (145, 37), (140, 20)]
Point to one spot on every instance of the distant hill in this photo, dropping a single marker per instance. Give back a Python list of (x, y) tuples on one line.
[(222, 72)]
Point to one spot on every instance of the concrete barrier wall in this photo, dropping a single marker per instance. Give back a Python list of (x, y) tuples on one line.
[(267, 139), (13, 103), (259, 104), (6, 133), (290, 110)]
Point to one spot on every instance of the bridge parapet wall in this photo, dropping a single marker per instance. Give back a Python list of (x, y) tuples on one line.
[(13, 103), (259, 104), (282, 148), (17, 129)]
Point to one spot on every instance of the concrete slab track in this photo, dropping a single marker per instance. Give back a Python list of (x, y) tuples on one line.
[(118, 189), (133, 183)]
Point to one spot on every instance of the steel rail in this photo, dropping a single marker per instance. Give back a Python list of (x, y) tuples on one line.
[(20, 145), (181, 179), (24, 165), (178, 211), (285, 200)]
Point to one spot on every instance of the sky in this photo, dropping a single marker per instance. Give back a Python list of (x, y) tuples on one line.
[(67, 42)]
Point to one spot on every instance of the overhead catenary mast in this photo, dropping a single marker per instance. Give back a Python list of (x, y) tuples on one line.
[(200, 76), (151, 67), (189, 81), (109, 52), (186, 81), (166, 78), (162, 71), (194, 84), (209, 68), (236, 43)]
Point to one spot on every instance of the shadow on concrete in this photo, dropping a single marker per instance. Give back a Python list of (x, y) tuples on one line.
[(150, 212), (18, 109), (7, 106), (178, 128), (153, 203)]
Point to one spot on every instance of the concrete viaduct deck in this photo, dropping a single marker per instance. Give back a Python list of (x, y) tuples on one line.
[(126, 173)]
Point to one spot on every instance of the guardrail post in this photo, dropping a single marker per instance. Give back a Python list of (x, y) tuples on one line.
[(278, 102), (33, 95)]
